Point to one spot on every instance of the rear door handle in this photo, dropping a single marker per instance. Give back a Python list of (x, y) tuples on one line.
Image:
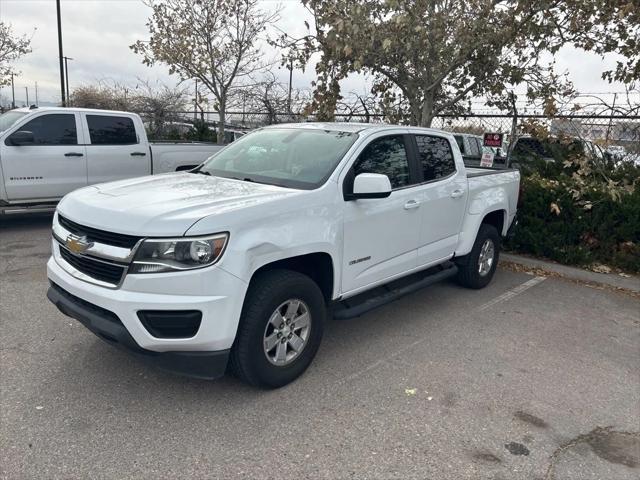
[(457, 193), (138, 154), (411, 204), (74, 154)]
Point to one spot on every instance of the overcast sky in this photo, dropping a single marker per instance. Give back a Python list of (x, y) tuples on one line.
[(97, 35)]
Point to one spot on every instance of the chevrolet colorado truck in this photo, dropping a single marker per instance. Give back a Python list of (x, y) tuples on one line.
[(46, 153), (239, 262)]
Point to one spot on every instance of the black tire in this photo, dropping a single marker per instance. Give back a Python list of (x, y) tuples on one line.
[(268, 290), (468, 266)]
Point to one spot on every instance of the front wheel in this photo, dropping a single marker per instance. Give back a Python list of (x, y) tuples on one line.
[(280, 329), (476, 269)]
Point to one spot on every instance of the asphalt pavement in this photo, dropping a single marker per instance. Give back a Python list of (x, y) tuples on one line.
[(529, 378)]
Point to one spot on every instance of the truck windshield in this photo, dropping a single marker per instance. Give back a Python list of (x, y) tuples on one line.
[(289, 157), (9, 118)]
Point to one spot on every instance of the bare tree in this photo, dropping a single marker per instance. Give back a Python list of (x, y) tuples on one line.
[(214, 41), (272, 98), (104, 95), (157, 103), (11, 49)]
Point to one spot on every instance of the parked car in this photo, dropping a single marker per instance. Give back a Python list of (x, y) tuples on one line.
[(472, 148), (241, 260), (528, 149), (46, 153)]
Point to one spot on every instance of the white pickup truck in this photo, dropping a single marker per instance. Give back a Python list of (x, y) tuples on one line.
[(241, 260), (46, 153)]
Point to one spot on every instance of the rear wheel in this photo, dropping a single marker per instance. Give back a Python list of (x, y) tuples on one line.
[(476, 269), (280, 329)]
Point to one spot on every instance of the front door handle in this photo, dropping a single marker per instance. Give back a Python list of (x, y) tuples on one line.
[(457, 193), (74, 154), (411, 204), (138, 154)]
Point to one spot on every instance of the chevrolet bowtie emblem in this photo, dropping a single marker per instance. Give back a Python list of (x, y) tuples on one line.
[(78, 244)]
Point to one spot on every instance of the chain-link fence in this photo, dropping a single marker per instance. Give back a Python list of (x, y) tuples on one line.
[(603, 129), (617, 135)]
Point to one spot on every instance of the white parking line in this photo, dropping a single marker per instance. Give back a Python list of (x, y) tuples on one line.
[(509, 294)]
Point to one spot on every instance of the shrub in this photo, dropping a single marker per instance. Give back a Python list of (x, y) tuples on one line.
[(581, 212)]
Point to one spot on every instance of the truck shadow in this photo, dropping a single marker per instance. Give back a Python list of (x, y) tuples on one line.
[(25, 221)]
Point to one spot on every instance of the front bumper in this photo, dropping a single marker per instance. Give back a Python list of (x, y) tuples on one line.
[(214, 292), (107, 326)]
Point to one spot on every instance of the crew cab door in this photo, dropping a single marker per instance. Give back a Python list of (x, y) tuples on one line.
[(443, 195), (50, 164), (381, 235), (114, 148)]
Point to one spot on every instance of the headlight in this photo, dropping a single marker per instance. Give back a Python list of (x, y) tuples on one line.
[(156, 255)]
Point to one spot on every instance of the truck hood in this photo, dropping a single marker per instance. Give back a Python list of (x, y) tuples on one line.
[(163, 205)]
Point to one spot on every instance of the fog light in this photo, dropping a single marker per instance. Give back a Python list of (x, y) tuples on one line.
[(171, 323)]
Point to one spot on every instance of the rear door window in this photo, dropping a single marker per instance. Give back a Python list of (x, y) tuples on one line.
[(53, 129), (435, 157), (111, 130)]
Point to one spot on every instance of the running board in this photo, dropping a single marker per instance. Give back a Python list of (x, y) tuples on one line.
[(17, 210), (364, 302)]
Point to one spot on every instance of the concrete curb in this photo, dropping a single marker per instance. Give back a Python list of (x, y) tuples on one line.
[(611, 279)]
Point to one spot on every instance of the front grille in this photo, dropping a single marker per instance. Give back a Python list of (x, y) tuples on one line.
[(100, 236), (105, 272), (103, 312)]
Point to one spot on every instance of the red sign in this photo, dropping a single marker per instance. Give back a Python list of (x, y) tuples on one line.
[(492, 140)]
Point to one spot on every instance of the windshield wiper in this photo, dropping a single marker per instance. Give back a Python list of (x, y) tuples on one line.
[(202, 172)]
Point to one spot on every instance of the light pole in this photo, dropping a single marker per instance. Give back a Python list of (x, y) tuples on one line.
[(290, 80), (26, 91), (66, 75), (13, 94), (60, 55)]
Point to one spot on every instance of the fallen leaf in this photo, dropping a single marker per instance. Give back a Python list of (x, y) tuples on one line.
[(410, 391), (554, 208), (599, 268)]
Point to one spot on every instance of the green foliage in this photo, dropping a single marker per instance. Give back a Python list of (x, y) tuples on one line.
[(201, 132), (581, 220), (431, 57)]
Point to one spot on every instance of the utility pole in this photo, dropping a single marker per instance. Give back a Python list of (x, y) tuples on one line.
[(60, 55), (195, 104), (290, 79), (13, 94), (26, 90), (66, 75)]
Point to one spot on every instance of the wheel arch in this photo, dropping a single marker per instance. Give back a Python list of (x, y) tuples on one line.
[(496, 216), (316, 265)]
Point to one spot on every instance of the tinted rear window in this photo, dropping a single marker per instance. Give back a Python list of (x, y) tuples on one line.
[(111, 130), (436, 157)]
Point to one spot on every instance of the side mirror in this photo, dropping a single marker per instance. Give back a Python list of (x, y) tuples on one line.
[(371, 185), (22, 137)]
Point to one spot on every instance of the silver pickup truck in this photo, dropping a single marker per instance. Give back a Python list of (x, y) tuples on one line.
[(46, 153)]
